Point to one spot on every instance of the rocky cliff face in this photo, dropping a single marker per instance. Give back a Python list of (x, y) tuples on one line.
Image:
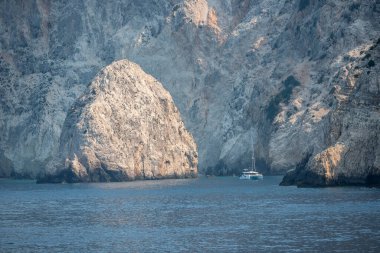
[(237, 69), (124, 127), (352, 152)]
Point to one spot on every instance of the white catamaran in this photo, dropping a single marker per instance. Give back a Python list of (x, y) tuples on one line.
[(252, 174)]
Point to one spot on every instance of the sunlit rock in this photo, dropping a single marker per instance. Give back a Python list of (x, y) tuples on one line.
[(124, 127)]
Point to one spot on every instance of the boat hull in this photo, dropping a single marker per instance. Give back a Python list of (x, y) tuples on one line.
[(251, 177), (260, 177)]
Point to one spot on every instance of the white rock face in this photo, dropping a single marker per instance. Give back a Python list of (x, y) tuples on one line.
[(124, 127), (235, 69)]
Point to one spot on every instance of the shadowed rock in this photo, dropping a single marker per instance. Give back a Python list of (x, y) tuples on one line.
[(352, 156)]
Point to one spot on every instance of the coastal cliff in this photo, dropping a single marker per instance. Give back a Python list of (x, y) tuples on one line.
[(352, 156), (124, 127), (281, 73)]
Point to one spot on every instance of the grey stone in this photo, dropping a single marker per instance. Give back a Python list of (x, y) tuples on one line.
[(222, 61)]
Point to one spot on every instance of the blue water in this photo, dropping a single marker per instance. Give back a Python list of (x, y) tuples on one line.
[(195, 215)]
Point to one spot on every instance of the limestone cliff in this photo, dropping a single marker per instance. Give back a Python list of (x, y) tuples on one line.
[(124, 127), (352, 155), (236, 69)]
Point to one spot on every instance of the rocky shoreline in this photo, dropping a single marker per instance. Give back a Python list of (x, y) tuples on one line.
[(310, 179), (277, 79), (352, 156), (69, 176)]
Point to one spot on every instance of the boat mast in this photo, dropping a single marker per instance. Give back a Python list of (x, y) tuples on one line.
[(253, 156)]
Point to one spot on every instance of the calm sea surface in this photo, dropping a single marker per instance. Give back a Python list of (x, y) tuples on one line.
[(197, 215)]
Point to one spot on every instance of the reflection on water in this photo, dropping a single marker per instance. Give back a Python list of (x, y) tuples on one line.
[(190, 215)]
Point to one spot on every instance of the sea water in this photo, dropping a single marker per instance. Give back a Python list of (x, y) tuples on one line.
[(217, 214)]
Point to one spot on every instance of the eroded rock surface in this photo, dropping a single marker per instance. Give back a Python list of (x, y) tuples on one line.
[(124, 127), (352, 155), (236, 69)]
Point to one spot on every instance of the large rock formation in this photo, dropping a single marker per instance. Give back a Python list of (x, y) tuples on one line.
[(124, 127), (352, 155), (236, 69)]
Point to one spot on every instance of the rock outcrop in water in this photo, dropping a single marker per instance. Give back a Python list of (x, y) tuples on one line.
[(124, 127), (353, 154), (236, 69)]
